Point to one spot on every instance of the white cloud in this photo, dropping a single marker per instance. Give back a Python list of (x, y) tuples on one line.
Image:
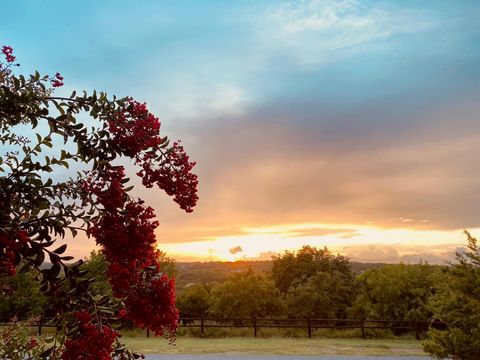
[(316, 32), (191, 100)]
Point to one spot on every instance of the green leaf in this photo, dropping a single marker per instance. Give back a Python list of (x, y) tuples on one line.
[(40, 258), (60, 249), (54, 271)]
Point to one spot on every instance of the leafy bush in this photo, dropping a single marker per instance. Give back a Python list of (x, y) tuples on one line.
[(18, 343)]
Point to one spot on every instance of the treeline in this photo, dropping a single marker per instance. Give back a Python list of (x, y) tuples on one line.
[(315, 283), (308, 283), (190, 273)]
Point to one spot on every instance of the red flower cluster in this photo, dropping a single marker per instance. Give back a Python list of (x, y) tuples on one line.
[(94, 342), (7, 261), (32, 343), (174, 176), (8, 52), (125, 230), (10, 245), (134, 128), (152, 304), (108, 188), (137, 132), (57, 80), (127, 235)]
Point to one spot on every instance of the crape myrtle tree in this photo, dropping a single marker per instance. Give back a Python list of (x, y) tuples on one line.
[(97, 267), (37, 209)]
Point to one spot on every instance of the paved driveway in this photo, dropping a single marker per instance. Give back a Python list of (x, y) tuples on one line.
[(278, 357)]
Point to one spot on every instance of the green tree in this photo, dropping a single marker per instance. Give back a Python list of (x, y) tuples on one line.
[(20, 296), (246, 294), (395, 292), (457, 304), (97, 266), (294, 268), (323, 295), (315, 283), (195, 301)]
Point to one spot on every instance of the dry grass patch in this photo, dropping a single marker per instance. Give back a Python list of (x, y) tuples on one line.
[(277, 346)]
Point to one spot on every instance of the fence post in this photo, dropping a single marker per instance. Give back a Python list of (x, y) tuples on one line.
[(417, 330), (201, 325), (309, 327), (148, 332), (255, 326), (363, 328), (40, 324)]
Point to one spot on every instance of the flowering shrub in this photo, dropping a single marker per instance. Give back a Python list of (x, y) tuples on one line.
[(17, 342), (36, 211)]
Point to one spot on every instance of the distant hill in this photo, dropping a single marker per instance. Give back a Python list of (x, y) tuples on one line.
[(214, 271), (190, 273)]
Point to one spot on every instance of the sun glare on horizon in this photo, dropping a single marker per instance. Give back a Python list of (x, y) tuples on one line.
[(348, 239)]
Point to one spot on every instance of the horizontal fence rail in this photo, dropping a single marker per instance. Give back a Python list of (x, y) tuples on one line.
[(309, 325)]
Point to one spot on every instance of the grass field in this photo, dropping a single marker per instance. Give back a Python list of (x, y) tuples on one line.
[(328, 343), (277, 346)]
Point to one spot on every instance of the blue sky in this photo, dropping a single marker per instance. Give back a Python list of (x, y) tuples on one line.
[(335, 114)]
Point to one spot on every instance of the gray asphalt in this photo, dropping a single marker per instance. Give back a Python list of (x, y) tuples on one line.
[(278, 357)]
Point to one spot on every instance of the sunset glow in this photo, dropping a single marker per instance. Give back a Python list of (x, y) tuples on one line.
[(405, 245)]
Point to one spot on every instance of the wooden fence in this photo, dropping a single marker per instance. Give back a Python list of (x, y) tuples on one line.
[(309, 325)]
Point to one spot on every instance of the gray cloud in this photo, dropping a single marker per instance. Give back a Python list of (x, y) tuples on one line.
[(417, 171), (366, 166), (265, 256), (342, 233), (396, 253), (235, 250)]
